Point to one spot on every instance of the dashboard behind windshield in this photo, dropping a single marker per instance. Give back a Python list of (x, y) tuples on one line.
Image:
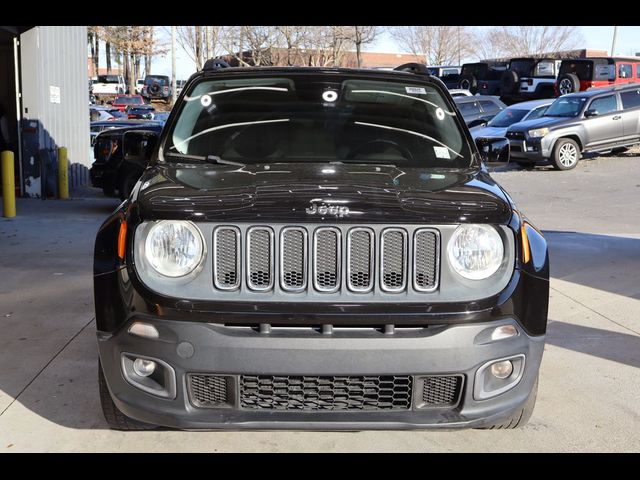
[(317, 118)]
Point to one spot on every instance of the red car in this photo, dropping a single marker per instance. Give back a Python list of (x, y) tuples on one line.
[(121, 102), (578, 75)]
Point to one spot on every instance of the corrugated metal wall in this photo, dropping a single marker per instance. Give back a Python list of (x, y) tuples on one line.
[(56, 56)]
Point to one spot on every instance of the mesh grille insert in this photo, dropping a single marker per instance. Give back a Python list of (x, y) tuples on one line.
[(260, 259), (425, 263), (393, 273), (441, 391), (327, 259), (370, 392), (226, 258), (208, 390), (293, 259), (360, 260)]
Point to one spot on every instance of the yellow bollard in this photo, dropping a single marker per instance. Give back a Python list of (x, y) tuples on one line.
[(8, 185), (63, 173)]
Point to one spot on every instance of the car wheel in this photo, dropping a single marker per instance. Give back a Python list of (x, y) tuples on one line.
[(112, 414), (127, 183), (521, 416), (568, 83), (469, 82), (566, 154)]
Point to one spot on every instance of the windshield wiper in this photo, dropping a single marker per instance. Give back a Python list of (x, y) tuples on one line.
[(216, 159)]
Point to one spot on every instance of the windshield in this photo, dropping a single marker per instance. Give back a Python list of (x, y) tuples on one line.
[(565, 107), (317, 118), (507, 118), (108, 79)]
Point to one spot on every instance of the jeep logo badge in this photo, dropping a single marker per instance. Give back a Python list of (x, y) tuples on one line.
[(324, 209)]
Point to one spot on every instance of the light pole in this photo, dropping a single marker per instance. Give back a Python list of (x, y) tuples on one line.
[(613, 43), (173, 65)]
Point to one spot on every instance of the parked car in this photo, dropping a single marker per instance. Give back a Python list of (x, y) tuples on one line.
[(111, 171), (108, 87), (143, 112), (459, 92), (139, 85), (322, 250), (122, 102), (578, 75), (157, 87), (99, 113), (478, 109), (597, 120), (450, 75), (481, 77), (520, 112), (528, 79), (179, 86)]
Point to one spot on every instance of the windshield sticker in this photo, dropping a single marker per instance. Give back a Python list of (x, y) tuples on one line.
[(205, 100), (442, 152), (416, 90), (440, 113), (329, 96)]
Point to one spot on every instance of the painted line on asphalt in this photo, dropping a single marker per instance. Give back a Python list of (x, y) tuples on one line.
[(48, 363)]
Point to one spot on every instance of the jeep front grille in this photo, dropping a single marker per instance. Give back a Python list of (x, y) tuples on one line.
[(347, 259)]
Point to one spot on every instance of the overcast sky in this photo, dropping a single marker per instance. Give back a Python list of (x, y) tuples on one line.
[(595, 37)]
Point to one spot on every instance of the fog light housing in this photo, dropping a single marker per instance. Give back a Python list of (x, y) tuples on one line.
[(144, 367), (500, 370)]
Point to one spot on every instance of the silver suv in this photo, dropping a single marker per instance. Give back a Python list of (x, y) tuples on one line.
[(597, 120)]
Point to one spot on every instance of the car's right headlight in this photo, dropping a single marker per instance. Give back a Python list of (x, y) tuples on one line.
[(475, 251), (538, 132), (174, 248)]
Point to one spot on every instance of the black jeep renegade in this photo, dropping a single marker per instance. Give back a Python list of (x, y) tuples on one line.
[(318, 248)]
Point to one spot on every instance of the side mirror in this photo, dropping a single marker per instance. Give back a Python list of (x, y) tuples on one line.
[(591, 113), (138, 145), (494, 150)]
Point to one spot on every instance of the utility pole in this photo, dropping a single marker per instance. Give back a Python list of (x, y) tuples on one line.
[(173, 65), (458, 32), (613, 43)]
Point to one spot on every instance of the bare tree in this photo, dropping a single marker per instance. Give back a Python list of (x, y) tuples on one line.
[(536, 40), (291, 39), (93, 38), (198, 42), (440, 45), (250, 45), (362, 35)]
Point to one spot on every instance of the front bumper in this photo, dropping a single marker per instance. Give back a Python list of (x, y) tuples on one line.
[(189, 347), (529, 149)]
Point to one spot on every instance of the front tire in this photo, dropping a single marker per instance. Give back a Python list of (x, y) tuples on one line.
[(521, 416), (566, 154), (112, 414)]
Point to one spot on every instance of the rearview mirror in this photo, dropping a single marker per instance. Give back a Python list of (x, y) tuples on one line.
[(494, 150), (138, 145), (591, 113)]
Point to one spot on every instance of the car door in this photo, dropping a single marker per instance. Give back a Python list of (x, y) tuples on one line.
[(604, 128), (631, 115)]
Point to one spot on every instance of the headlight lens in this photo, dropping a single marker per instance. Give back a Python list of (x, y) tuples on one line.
[(174, 248), (475, 251), (538, 132)]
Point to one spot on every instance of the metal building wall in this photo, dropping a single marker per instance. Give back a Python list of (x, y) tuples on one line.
[(55, 56)]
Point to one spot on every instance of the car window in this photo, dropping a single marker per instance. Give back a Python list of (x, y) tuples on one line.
[(625, 70), (449, 71), (604, 105), (537, 112), (605, 72), (469, 108), (545, 69), (638, 70), (567, 106), (298, 118), (630, 99), (489, 107)]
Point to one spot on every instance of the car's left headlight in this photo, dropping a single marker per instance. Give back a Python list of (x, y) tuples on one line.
[(538, 132), (475, 251), (174, 248)]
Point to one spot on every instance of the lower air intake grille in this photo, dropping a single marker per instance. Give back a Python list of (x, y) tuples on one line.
[(441, 391), (370, 392), (209, 390)]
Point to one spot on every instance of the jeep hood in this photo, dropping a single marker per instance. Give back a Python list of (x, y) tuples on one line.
[(284, 192)]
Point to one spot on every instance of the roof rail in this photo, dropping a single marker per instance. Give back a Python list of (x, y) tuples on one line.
[(413, 67), (215, 64)]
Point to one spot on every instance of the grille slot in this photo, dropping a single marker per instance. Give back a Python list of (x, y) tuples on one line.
[(425, 260), (226, 263), (293, 259), (260, 258), (441, 390), (209, 391), (393, 260), (360, 259), (326, 259), (304, 393)]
